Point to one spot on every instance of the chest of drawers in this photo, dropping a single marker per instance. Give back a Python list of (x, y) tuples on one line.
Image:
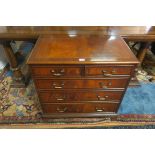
[(81, 76)]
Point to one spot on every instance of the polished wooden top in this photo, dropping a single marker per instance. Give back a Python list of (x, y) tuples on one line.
[(141, 33), (81, 49)]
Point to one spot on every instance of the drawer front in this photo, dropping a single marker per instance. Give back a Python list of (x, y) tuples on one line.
[(108, 71), (74, 96), (79, 108), (56, 71), (81, 84)]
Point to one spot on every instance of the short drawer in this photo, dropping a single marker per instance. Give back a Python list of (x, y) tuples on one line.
[(56, 71), (79, 108), (109, 83), (80, 96), (108, 71)]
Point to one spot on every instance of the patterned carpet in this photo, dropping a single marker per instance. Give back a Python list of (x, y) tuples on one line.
[(19, 102)]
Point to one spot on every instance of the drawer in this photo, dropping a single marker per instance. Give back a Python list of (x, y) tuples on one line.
[(108, 71), (79, 108), (56, 71), (80, 96), (118, 83)]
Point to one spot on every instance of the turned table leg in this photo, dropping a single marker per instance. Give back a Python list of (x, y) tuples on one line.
[(18, 78)]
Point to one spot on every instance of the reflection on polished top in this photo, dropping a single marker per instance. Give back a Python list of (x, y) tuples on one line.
[(81, 49)]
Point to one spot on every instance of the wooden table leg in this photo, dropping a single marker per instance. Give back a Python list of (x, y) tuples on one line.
[(142, 52), (18, 78)]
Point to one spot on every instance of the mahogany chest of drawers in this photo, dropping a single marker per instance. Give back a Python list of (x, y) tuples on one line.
[(81, 75)]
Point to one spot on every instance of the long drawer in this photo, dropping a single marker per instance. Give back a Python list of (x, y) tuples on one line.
[(79, 108), (119, 83), (80, 96), (107, 71)]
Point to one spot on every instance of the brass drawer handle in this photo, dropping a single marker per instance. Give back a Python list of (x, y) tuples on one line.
[(108, 74), (102, 98), (57, 73), (60, 99), (62, 110), (103, 86), (59, 86), (100, 110)]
